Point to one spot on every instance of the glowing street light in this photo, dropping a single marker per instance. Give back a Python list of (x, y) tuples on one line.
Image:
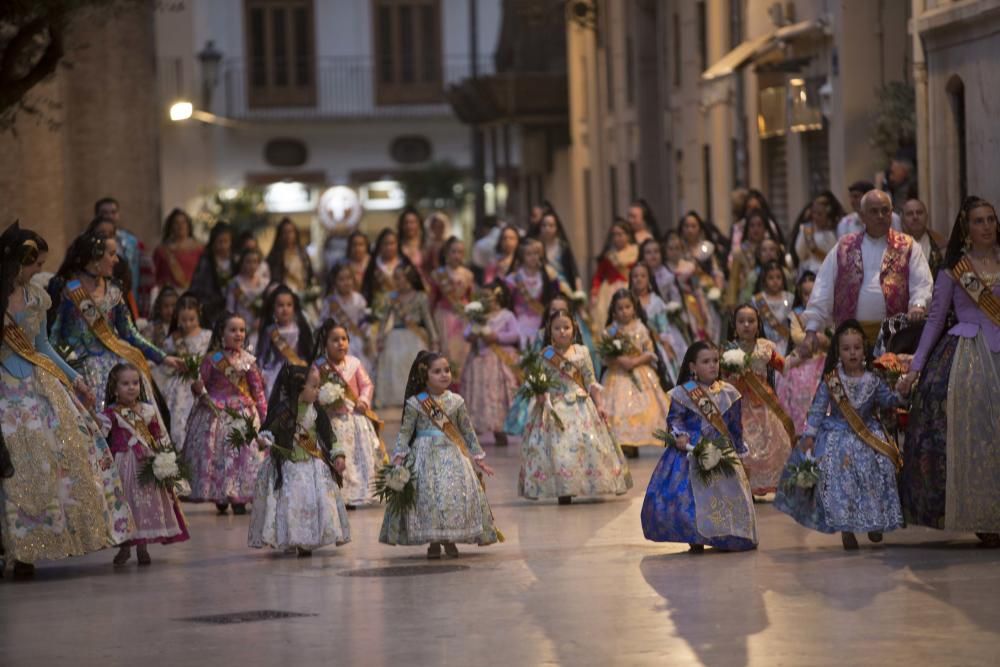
[(181, 111)]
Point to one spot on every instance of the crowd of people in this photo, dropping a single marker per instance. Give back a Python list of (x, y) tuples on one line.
[(132, 381)]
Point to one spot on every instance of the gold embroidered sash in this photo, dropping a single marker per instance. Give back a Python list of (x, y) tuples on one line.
[(352, 396), (857, 424), (286, 350), (340, 315), (561, 364), (176, 270), (308, 444), (772, 321), (15, 336), (228, 371), (533, 304), (440, 276), (102, 330), (809, 234), (708, 409), (972, 284), (508, 358), (763, 393), (138, 425)]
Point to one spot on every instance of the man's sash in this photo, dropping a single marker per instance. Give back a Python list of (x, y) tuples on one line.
[(857, 424), (102, 330), (972, 284)]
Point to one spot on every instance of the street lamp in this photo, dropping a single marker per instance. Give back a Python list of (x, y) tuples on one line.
[(210, 59), (183, 110)]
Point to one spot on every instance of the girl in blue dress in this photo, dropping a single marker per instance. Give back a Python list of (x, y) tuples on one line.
[(678, 507), (857, 465)]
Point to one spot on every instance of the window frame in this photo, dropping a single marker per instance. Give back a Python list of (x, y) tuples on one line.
[(423, 89), (272, 94)]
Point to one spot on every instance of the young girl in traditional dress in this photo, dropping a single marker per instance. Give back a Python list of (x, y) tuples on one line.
[(158, 326), (297, 503), (490, 377), (568, 450), (773, 302), (504, 252), (229, 381), (451, 288), (558, 252), (186, 339), (678, 506), (663, 318), (135, 436), (619, 254), (857, 490), (801, 378), (214, 271), (437, 436), (356, 426), (767, 428), (702, 314), (378, 283), (406, 328), (245, 293), (285, 336), (532, 285), (345, 304), (358, 256), (288, 260), (635, 383)]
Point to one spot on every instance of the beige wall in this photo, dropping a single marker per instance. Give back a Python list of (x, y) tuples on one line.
[(107, 140)]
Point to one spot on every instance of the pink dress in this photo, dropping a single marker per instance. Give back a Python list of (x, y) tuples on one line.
[(134, 434), (221, 473), (526, 294), (797, 386), (488, 381), (451, 290)]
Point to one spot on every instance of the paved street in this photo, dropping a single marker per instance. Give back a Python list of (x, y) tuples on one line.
[(572, 585)]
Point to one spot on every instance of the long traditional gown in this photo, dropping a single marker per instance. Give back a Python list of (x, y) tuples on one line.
[(356, 436), (526, 295), (857, 489), (488, 379), (951, 463), (407, 328), (634, 400), (246, 299), (306, 510), (777, 324), (797, 386), (451, 505), (271, 356), (662, 320), (351, 312), (767, 440), (578, 458), (678, 507), (176, 266), (611, 276), (71, 329), (221, 473), (702, 316), (451, 289), (135, 435), (177, 390), (65, 498)]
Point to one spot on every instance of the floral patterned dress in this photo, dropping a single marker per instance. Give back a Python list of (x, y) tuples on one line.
[(451, 290), (576, 455), (768, 443), (134, 435), (352, 312), (488, 381), (307, 510), (634, 400), (358, 441), (177, 390), (221, 473), (65, 497), (857, 489), (451, 504), (407, 328), (797, 386)]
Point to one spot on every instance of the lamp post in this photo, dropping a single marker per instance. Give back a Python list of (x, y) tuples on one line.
[(210, 59)]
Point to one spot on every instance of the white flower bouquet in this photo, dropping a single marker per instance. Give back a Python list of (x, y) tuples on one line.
[(330, 394), (714, 294), (803, 475), (734, 361), (712, 458), (165, 470), (395, 485), (673, 307), (578, 296)]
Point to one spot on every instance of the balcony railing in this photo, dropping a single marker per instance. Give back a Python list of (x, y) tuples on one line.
[(338, 87)]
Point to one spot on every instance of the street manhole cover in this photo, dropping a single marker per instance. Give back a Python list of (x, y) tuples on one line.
[(403, 570), (245, 617)]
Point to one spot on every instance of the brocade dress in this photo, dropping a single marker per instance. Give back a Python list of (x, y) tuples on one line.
[(634, 400), (407, 329), (451, 290), (488, 381), (177, 390), (451, 504), (65, 498)]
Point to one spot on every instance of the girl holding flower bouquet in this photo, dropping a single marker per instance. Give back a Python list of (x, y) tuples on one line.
[(345, 395), (138, 442), (664, 319), (619, 254), (437, 441), (856, 488), (188, 341), (533, 284), (635, 382), (568, 450), (802, 377), (298, 503), (699, 493), (767, 429), (345, 304), (490, 378), (230, 393), (451, 288)]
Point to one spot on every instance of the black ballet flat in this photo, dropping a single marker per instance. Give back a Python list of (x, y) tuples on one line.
[(23, 570), (875, 536), (630, 452), (239, 510), (989, 540), (849, 541), (303, 553), (351, 507), (222, 508), (696, 548), (565, 500)]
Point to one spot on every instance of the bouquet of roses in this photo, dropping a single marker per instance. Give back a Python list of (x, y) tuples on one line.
[(191, 369), (714, 294), (332, 394), (734, 361), (243, 432), (891, 366), (395, 485), (803, 475), (538, 382)]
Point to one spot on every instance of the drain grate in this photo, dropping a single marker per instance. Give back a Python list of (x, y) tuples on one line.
[(245, 617), (403, 570)]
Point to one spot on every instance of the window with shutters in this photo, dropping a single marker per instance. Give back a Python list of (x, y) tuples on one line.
[(407, 42), (280, 46)]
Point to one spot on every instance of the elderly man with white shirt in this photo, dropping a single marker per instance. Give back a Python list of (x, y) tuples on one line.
[(869, 276), (852, 221)]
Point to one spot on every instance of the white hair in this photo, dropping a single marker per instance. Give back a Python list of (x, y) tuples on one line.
[(874, 194)]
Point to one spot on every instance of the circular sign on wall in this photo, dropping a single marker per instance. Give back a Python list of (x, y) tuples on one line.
[(339, 209)]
